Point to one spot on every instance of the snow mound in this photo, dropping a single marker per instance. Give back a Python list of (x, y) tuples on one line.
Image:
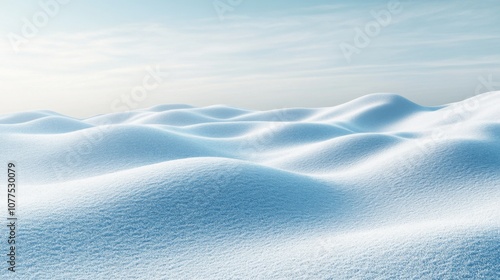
[(377, 188)]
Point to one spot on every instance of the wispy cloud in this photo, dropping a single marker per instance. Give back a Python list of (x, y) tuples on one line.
[(291, 59)]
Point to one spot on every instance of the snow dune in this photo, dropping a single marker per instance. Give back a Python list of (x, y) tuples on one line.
[(377, 188)]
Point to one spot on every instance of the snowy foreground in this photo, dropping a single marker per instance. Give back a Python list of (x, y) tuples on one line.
[(377, 188)]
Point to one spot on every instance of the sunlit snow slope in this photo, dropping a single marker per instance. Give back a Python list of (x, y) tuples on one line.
[(377, 188)]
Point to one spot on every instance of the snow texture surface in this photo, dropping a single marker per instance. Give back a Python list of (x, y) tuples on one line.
[(377, 188)]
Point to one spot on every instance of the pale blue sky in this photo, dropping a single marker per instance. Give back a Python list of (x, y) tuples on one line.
[(91, 57)]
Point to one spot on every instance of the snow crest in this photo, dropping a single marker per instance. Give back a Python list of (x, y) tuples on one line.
[(377, 188)]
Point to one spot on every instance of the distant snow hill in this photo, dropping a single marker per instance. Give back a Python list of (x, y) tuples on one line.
[(377, 188)]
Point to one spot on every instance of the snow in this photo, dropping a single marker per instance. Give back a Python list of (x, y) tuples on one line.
[(377, 188)]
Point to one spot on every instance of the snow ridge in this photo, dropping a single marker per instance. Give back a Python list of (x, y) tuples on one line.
[(377, 188)]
